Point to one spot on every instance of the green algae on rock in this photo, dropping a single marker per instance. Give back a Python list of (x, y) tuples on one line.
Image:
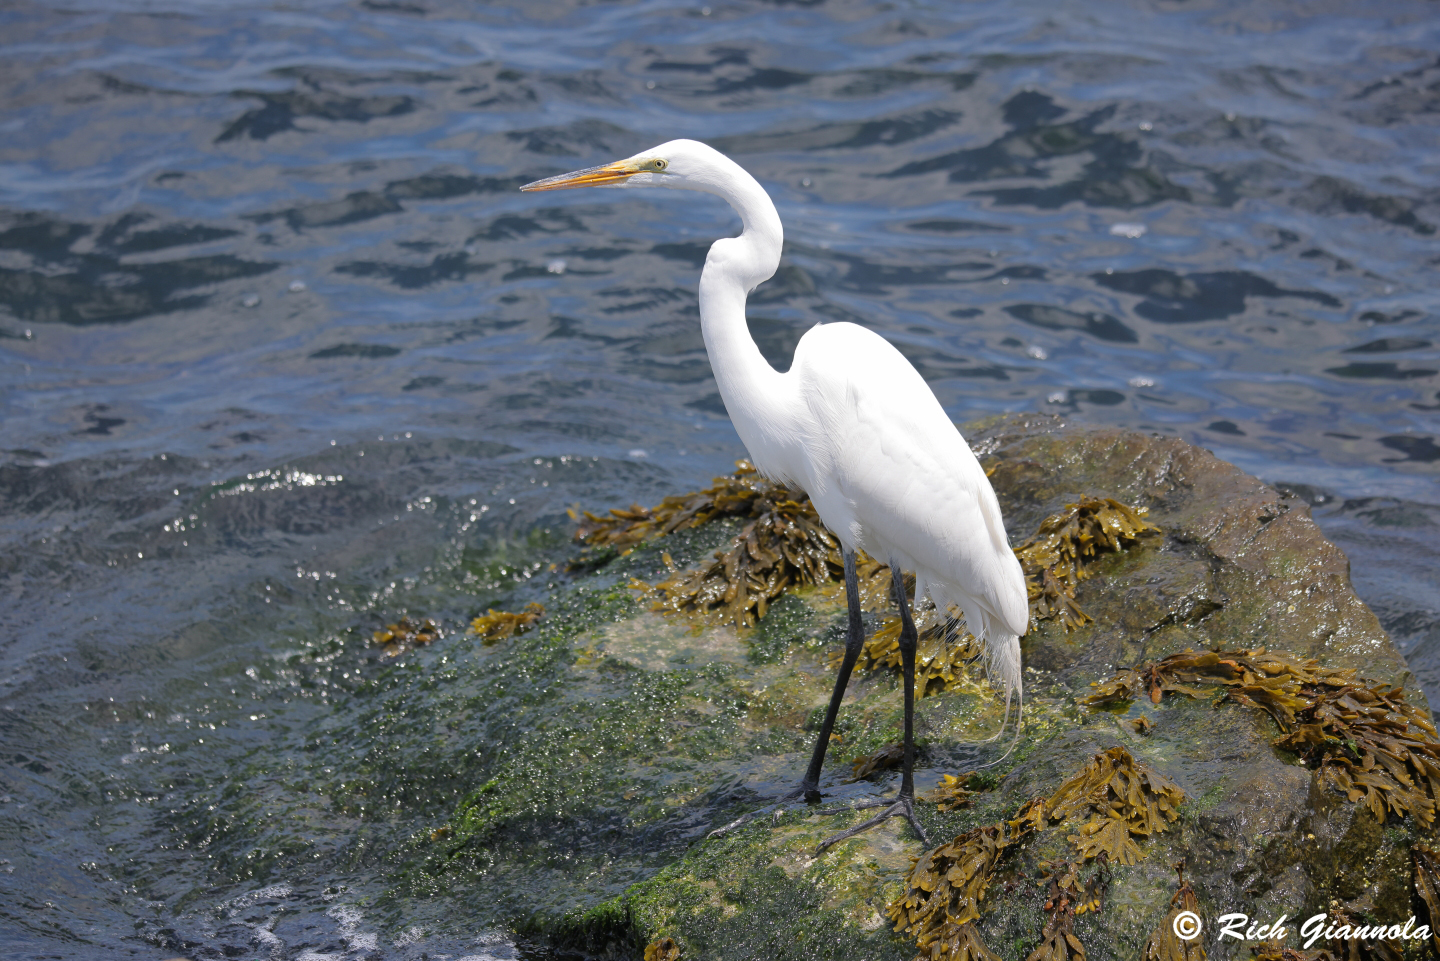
[(616, 740)]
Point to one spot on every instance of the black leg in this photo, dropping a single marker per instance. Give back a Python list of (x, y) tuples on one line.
[(909, 640), (854, 642), (904, 805), (809, 787)]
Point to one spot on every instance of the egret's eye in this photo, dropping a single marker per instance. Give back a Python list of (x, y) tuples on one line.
[(659, 164)]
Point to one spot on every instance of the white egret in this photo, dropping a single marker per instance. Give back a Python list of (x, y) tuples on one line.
[(854, 425)]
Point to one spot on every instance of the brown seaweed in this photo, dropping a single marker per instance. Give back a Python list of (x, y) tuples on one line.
[(1066, 897), (1426, 861), (1125, 800), (941, 655), (1119, 796), (1349, 945), (887, 758), (945, 887), (1064, 548), (662, 949), (783, 544), (1365, 740), (1164, 944), (962, 943), (496, 625), (744, 493), (406, 635), (1275, 951), (954, 791)]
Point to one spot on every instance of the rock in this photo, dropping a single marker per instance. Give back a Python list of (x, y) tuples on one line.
[(604, 745)]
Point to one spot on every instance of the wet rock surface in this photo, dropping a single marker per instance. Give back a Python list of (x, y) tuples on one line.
[(667, 729), (553, 787)]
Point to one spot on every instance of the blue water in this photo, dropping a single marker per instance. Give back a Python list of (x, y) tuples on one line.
[(237, 238)]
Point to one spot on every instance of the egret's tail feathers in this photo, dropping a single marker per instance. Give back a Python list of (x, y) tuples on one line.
[(1001, 650), (1003, 669), (1019, 726)]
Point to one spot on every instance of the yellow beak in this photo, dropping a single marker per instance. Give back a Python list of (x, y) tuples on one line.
[(608, 175)]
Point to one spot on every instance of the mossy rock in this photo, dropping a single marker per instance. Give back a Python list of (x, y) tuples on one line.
[(640, 733)]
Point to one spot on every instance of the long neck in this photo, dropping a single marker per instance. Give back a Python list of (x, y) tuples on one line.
[(734, 267)]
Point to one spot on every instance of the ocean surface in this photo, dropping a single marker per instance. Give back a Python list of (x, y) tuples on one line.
[(283, 351)]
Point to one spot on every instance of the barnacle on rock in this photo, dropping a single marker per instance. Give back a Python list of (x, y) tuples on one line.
[(406, 635), (498, 625), (1365, 740), (1063, 549), (1164, 944), (887, 758)]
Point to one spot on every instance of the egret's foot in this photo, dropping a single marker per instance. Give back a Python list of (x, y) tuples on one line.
[(808, 793), (902, 807)]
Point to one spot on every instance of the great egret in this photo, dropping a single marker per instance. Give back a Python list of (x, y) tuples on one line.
[(854, 425)]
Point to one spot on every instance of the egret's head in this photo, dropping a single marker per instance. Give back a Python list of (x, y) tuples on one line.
[(683, 164)]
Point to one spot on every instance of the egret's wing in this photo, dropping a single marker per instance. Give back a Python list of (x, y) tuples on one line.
[(909, 479)]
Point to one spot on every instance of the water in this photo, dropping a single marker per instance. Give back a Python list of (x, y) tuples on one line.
[(285, 354)]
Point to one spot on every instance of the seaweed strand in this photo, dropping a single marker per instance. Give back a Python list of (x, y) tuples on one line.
[(783, 544), (1063, 550), (1365, 740), (1121, 798)]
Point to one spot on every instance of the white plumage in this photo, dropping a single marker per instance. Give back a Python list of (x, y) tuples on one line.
[(852, 423)]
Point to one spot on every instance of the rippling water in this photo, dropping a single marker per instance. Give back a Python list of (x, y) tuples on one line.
[(282, 345)]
